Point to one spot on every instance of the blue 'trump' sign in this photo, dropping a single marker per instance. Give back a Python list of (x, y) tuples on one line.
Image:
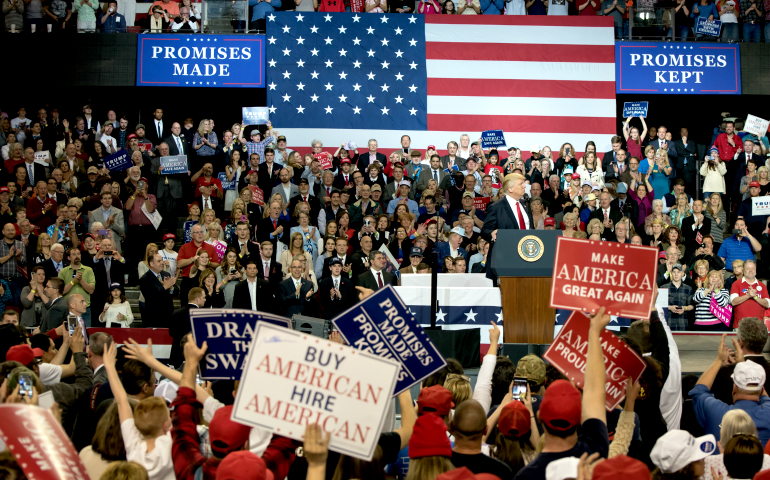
[(680, 68), (118, 161), (201, 60), (228, 334), (383, 325), (704, 27)]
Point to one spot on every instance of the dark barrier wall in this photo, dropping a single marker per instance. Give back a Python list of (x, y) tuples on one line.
[(755, 68)]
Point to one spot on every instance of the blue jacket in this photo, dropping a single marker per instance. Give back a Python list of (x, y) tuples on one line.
[(491, 7), (442, 248), (263, 8), (705, 12), (710, 411), (114, 23)]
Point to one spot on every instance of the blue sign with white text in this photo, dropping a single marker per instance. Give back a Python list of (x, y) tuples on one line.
[(118, 161), (228, 334), (230, 61), (383, 325), (635, 109), (679, 68), (255, 115), (226, 184), (492, 138), (704, 27), (174, 164)]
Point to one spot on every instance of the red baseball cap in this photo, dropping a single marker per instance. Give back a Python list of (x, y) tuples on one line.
[(661, 255), (169, 236), (429, 438), (549, 221), (131, 135), (243, 465), (195, 202), (755, 184), (431, 147), (24, 354), (621, 466), (575, 176), (226, 435), (514, 420), (344, 160), (252, 171), (145, 180), (561, 407), (5, 190), (435, 399), (463, 473)]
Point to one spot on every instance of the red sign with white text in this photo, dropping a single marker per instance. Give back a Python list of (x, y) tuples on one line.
[(257, 196), (325, 159), (481, 203), (589, 274), (568, 354), (39, 444)]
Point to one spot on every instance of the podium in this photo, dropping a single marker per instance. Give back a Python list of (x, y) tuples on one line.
[(523, 261)]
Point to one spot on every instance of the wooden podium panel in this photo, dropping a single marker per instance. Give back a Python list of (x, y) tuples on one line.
[(527, 315)]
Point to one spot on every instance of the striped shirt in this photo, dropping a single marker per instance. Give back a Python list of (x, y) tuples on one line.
[(733, 249), (703, 315)]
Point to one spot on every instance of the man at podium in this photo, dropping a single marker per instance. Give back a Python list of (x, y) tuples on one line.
[(508, 213)]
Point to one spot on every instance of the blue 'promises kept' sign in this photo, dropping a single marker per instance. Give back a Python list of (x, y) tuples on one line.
[(492, 138), (383, 325), (228, 334), (118, 161), (635, 109), (234, 61)]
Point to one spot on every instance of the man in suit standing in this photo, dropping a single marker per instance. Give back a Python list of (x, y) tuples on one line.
[(111, 218), (254, 293), (668, 147), (168, 188), (451, 248), (371, 156), (157, 295), (176, 141), (296, 293), (375, 277), (306, 196), (242, 243), (287, 189), (695, 228), (180, 324), (606, 214), (272, 228), (688, 156), (336, 291), (157, 128), (109, 268), (35, 171), (268, 172), (508, 213), (207, 201), (57, 311), (344, 178), (625, 204), (267, 267), (434, 172)]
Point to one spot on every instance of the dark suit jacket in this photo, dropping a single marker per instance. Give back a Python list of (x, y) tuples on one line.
[(690, 235), (294, 305), (630, 208), (723, 383), (500, 216), (333, 307), (367, 280), (615, 216), (690, 152), (101, 289), (39, 171), (339, 180), (151, 131), (172, 148), (276, 271), (55, 315), (265, 300), (267, 182), (50, 268), (315, 206), (159, 304), (179, 328), (427, 174), (328, 273), (265, 228)]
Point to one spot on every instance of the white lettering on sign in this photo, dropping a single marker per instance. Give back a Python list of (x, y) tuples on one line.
[(203, 53)]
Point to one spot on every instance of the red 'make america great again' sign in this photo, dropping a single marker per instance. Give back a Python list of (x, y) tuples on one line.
[(588, 275)]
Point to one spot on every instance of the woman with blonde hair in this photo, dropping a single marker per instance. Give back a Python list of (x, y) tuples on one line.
[(107, 444), (310, 235), (734, 423), (296, 246), (700, 270), (214, 237), (459, 386), (205, 139), (570, 224), (712, 291), (43, 251), (595, 227), (681, 210), (659, 170), (207, 217), (715, 212)]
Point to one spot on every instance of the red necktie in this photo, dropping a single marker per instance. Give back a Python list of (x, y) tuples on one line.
[(522, 224), (304, 199), (328, 191), (605, 214), (379, 280), (275, 224), (346, 180)]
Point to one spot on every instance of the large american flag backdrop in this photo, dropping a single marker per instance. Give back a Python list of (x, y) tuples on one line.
[(541, 79)]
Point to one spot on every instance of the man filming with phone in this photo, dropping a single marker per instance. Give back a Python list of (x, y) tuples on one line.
[(78, 280), (139, 225)]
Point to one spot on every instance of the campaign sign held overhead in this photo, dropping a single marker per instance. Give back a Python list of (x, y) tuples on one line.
[(228, 333), (235, 61), (635, 109), (680, 68), (754, 125), (254, 115), (291, 380), (383, 325), (118, 161)]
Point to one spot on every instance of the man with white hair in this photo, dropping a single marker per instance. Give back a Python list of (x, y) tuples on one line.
[(748, 385), (748, 296)]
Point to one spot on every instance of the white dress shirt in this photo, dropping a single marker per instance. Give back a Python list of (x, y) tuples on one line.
[(513, 202), (252, 292)]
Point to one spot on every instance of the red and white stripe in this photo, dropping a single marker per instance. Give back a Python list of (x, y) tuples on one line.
[(161, 340), (543, 80)]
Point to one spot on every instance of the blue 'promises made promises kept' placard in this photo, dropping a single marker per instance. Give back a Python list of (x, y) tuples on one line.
[(635, 109), (228, 334), (382, 324), (118, 161), (492, 138)]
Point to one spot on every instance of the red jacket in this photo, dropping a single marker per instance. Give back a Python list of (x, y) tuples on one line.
[(37, 216), (726, 151)]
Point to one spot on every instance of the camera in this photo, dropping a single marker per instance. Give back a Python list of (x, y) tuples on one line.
[(107, 253), (232, 270), (72, 323), (141, 185), (737, 231), (367, 222), (25, 385)]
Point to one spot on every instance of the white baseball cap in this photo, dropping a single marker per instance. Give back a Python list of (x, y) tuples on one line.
[(166, 390), (562, 469), (677, 449), (748, 376)]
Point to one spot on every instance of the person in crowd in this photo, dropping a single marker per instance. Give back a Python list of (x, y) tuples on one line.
[(680, 297), (678, 454), (751, 340), (108, 267), (228, 274), (672, 237), (79, 280), (184, 23), (297, 294), (207, 280), (117, 311), (740, 246), (748, 296), (156, 289), (337, 293)]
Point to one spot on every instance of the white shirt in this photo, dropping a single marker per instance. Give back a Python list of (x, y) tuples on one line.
[(513, 202), (158, 463), (252, 292), (49, 374), (178, 142), (378, 272), (336, 281), (158, 126), (206, 201), (286, 191), (606, 212)]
